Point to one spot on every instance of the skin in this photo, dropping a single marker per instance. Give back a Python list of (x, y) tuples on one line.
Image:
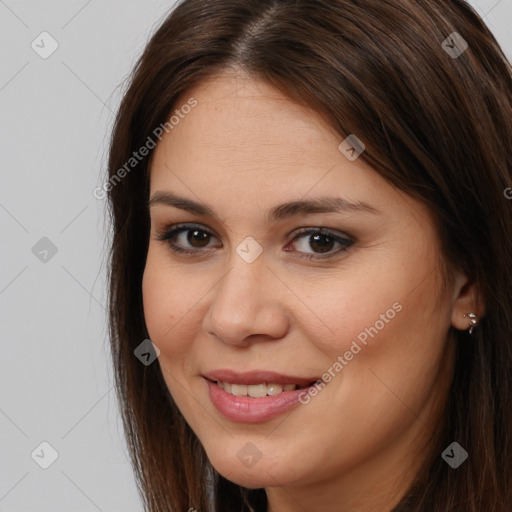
[(244, 149)]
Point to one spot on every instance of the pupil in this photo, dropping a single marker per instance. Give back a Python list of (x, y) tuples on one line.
[(325, 247), (200, 236)]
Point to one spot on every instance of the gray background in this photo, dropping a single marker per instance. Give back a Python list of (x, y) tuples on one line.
[(56, 114)]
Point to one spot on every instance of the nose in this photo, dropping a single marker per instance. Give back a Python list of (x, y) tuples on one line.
[(246, 305)]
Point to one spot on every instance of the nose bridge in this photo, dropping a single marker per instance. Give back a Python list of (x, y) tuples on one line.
[(239, 293), (242, 304)]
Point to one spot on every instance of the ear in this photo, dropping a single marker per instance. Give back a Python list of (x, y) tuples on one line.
[(465, 300)]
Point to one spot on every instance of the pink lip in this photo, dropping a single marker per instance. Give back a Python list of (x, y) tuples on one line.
[(246, 409)]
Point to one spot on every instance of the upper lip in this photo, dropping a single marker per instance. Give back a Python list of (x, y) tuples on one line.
[(257, 377)]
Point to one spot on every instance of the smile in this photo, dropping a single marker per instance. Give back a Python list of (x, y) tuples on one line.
[(254, 397)]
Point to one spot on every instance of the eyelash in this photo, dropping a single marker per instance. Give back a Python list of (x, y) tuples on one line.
[(170, 232)]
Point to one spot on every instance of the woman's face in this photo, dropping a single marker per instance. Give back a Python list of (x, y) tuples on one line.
[(358, 304)]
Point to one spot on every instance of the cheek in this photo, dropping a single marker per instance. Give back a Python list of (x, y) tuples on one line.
[(350, 308), (158, 306), (173, 301), (392, 345), (165, 300), (387, 319), (395, 295)]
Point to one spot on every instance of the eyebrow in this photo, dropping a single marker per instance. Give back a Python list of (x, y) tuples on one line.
[(325, 204)]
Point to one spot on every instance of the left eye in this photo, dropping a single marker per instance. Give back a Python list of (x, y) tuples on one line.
[(321, 240)]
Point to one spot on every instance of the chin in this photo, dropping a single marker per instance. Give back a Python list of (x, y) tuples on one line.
[(249, 478), (260, 474)]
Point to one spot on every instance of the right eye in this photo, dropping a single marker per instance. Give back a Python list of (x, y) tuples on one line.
[(178, 236)]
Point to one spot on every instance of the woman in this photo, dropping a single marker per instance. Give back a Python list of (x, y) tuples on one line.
[(311, 225)]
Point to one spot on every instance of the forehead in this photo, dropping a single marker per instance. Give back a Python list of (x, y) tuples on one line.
[(240, 115), (247, 142)]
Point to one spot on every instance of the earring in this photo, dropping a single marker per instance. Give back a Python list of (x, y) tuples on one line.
[(472, 321)]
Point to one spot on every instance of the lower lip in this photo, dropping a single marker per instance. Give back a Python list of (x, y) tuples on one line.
[(246, 409)]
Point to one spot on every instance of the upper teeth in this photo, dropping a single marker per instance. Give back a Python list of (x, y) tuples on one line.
[(255, 390)]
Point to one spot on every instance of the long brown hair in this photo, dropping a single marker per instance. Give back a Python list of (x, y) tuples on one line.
[(436, 124)]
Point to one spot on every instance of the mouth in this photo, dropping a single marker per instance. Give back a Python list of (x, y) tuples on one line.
[(255, 396)]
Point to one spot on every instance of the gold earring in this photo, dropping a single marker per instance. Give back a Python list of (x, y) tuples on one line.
[(472, 321)]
